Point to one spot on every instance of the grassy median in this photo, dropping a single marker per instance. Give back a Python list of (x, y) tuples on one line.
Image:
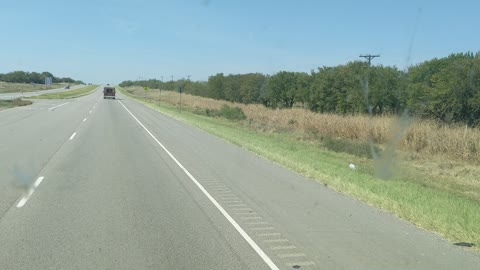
[(412, 196), (69, 94), (6, 104), (8, 87)]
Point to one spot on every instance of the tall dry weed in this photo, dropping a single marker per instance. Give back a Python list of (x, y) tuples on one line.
[(422, 136)]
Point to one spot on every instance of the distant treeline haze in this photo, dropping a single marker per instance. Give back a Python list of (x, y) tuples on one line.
[(33, 77)]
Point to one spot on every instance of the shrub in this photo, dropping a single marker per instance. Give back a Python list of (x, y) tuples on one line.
[(354, 147), (232, 113)]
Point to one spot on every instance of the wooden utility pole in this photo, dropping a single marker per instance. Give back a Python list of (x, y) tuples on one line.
[(369, 58), (160, 90)]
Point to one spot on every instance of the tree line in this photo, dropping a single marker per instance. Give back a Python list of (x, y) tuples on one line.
[(34, 77), (446, 89)]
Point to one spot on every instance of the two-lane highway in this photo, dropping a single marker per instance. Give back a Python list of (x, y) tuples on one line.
[(112, 184)]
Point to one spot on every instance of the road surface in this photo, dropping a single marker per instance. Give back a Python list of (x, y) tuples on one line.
[(36, 93), (112, 184)]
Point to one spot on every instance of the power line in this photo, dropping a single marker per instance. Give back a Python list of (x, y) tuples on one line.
[(369, 57)]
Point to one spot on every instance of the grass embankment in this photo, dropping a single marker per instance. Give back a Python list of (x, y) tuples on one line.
[(69, 94), (6, 104), (447, 202), (7, 87)]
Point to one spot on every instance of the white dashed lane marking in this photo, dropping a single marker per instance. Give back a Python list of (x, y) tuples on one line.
[(27, 196)]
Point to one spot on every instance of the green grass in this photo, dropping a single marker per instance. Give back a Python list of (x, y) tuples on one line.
[(69, 94), (7, 87), (453, 215), (6, 104)]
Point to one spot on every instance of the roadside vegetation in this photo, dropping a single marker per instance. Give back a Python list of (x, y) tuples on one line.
[(6, 104), (446, 90), (69, 94), (7, 87), (428, 176)]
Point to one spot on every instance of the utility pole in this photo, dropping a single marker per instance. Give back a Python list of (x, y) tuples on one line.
[(188, 77), (160, 91), (172, 78), (369, 57)]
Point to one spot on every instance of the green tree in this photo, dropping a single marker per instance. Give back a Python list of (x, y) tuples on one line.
[(281, 89), (216, 86)]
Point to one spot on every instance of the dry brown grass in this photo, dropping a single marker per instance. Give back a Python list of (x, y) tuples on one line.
[(421, 136)]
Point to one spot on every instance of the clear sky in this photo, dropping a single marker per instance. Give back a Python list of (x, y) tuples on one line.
[(111, 41)]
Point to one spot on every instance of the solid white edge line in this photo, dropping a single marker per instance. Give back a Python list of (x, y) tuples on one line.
[(54, 107), (73, 135), (27, 196), (245, 236)]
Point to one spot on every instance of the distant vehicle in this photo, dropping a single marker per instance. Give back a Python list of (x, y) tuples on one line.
[(108, 92), (67, 87)]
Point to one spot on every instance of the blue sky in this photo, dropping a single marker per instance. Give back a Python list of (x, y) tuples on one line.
[(111, 41)]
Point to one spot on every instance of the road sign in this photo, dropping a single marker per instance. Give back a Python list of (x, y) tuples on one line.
[(180, 89)]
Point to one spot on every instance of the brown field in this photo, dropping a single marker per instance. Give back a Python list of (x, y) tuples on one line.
[(420, 136)]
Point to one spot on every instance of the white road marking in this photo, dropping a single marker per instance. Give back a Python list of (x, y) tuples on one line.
[(257, 223), (90, 111), (84, 119), (54, 107), (275, 240), (221, 189), (245, 236), (300, 263), (215, 184), (263, 228), (228, 196), (250, 218), (237, 205), (269, 234), (27, 196), (231, 201), (73, 136), (283, 247), (291, 255), (242, 209), (246, 213)]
